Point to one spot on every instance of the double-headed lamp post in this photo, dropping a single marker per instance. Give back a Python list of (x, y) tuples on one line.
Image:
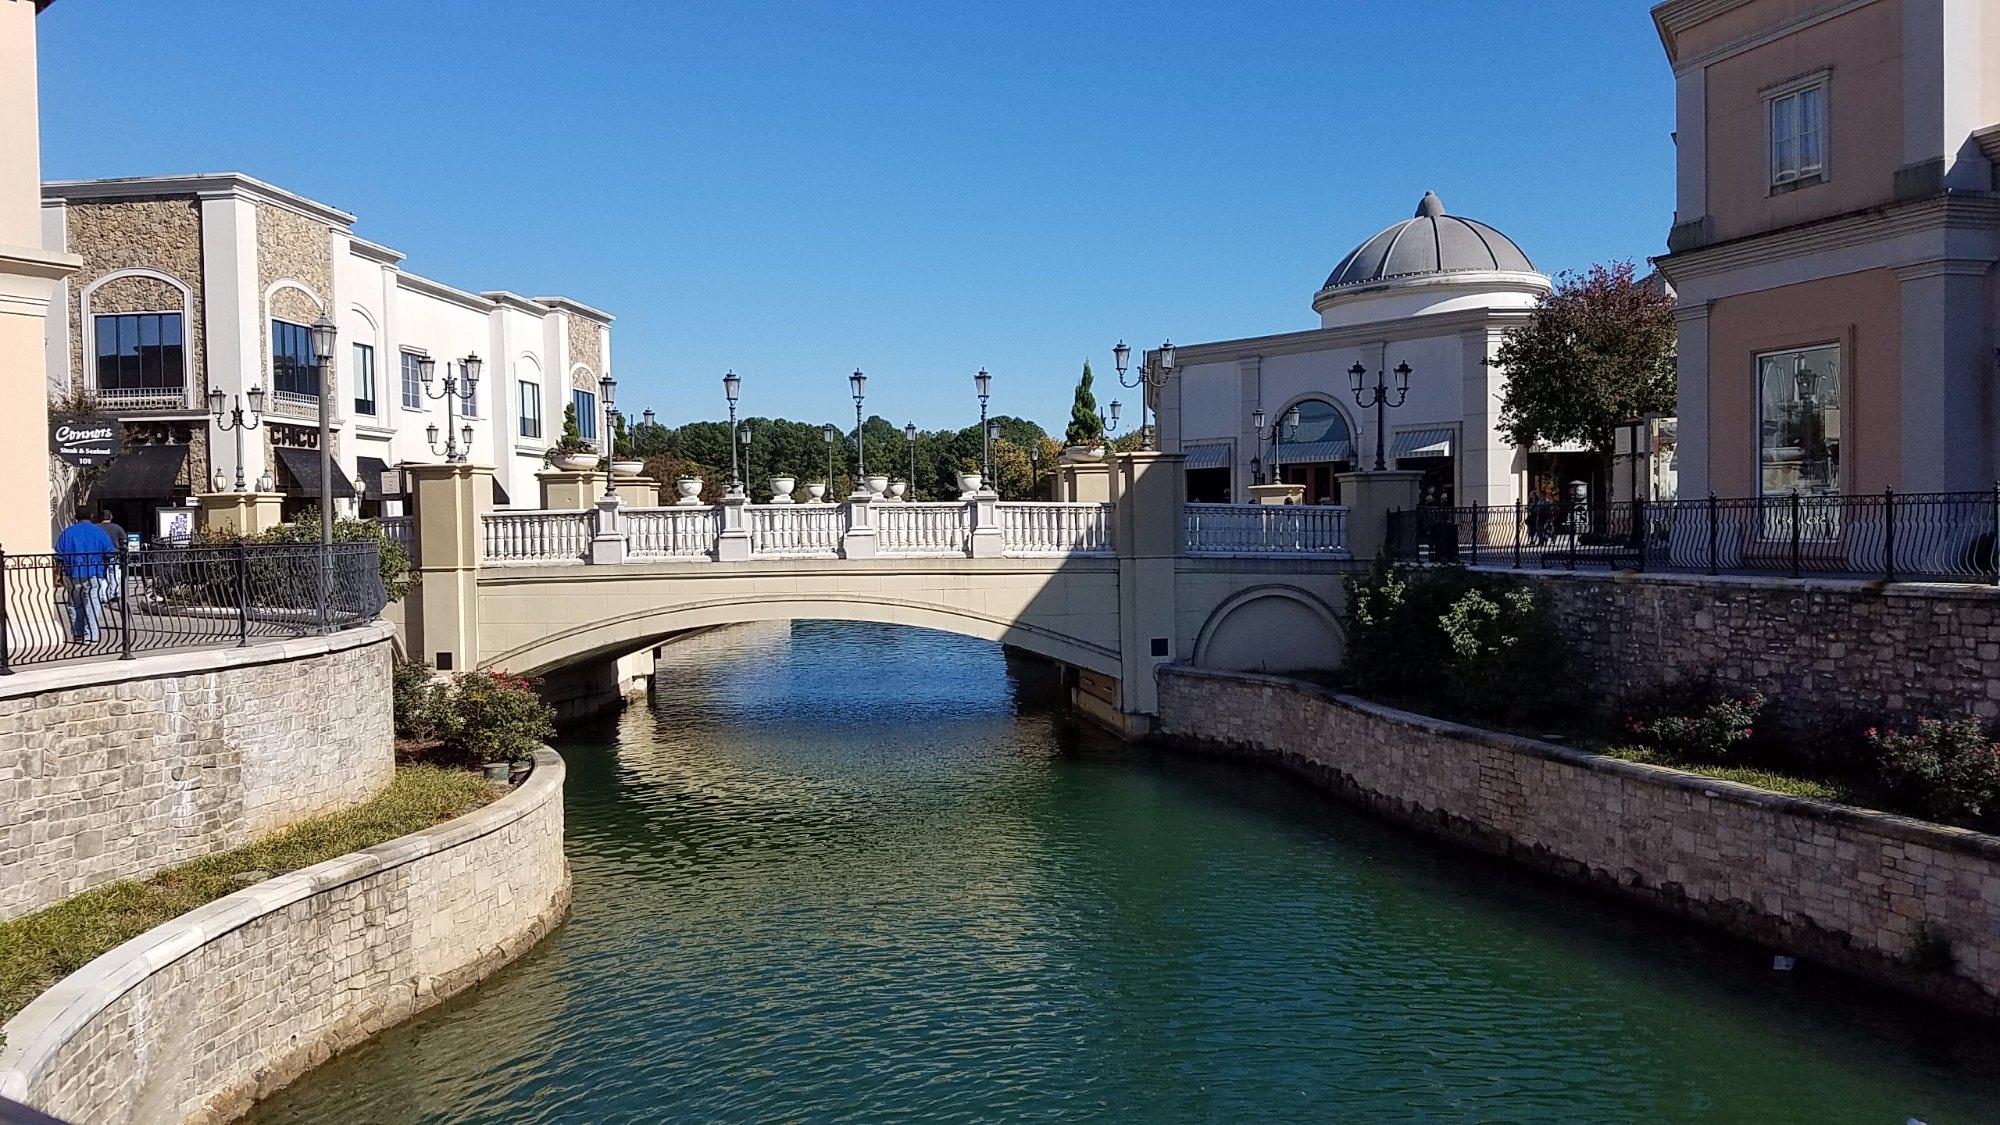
[(910, 438), (743, 438), (608, 389), (1152, 375), (983, 384), (858, 384), (236, 423), (732, 389), (457, 389), (1110, 419), (1378, 398), (1289, 424)]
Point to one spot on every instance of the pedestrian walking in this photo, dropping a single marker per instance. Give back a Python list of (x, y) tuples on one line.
[(86, 555)]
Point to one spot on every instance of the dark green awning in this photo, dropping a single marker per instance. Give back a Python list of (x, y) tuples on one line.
[(303, 465), (142, 472)]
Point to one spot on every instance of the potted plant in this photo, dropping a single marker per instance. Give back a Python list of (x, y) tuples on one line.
[(1083, 438), (689, 488), (571, 453), (815, 491), (896, 490), (877, 485), (781, 489), (969, 481), (625, 460)]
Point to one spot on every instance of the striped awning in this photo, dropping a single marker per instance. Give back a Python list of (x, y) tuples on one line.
[(1421, 443), (1207, 457), (1300, 452)]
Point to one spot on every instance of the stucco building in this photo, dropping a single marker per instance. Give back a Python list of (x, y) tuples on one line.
[(1436, 291), (192, 284), (1833, 249)]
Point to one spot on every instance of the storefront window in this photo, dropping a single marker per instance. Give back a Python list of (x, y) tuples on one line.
[(1798, 432)]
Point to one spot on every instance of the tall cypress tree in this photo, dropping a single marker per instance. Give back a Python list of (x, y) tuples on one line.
[(1085, 427)]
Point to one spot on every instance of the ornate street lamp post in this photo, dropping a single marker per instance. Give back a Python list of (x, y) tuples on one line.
[(910, 437), (858, 383), (456, 390), (1110, 420), (743, 437), (1035, 470), (323, 335), (983, 384), (831, 435), (1378, 398), (1151, 375), (1289, 424), (236, 423), (732, 387), (609, 389)]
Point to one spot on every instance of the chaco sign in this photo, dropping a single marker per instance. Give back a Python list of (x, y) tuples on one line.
[(86, 442)]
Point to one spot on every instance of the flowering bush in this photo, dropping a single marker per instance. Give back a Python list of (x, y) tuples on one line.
[(1698, 724), (1481, 645), (1945, 769), (487, 716)]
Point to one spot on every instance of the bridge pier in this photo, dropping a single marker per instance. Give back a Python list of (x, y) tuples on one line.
[(1148, 491), (441, 623)]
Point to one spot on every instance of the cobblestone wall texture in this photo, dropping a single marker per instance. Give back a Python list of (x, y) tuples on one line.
[(1839, 655), (119, 778), (586, 347), (197, 1019), (158, 234), (1846, 886)]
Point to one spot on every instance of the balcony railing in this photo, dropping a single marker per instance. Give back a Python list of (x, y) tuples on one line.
[(142, 398), (1267, 529), (1890, 536)]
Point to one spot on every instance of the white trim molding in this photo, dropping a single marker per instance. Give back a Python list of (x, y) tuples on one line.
[(87, 328)]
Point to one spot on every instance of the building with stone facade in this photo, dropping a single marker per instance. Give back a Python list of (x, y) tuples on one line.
[(202, 283), (1436, 291), (1834, 244)]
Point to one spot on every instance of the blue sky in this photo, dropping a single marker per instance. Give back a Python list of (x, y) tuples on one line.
[(918, 190)]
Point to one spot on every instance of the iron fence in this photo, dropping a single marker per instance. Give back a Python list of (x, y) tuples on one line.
[(56, 607), (1917, 536)]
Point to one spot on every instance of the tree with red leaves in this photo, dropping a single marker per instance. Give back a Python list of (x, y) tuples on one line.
[(1597, 351)]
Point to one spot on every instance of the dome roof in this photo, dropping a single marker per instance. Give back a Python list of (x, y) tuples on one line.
[(1431, 243)]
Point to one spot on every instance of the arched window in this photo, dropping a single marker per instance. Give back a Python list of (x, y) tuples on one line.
[(1314, 451)]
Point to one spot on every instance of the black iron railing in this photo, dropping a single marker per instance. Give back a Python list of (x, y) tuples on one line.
[(1892, 536), (64, 607)]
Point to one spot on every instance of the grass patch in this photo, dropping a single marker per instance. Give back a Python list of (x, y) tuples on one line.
[(39, 949), (1763, 779)]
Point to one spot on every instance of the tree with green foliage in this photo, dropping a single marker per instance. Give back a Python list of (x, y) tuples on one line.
[(1085, 426), (1598, 350)]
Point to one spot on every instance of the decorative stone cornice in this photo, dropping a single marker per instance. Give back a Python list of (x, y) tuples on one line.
[(416, 283), (373, 251), (1471, 281), (1973, 214), (31, 261), (1348, 335), (578, 308), (1675, 17), (205, 185), (515, 301)]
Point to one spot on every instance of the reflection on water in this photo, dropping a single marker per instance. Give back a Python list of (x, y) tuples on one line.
[(855, 871)]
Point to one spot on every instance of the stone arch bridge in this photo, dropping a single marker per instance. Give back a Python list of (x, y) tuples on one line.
[(1109, 587)]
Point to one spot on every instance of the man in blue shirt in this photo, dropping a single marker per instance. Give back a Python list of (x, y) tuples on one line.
[(87, 555)]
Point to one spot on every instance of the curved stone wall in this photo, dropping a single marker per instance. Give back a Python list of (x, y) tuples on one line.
[(114, 769), (1847, 886), (197, 1019)]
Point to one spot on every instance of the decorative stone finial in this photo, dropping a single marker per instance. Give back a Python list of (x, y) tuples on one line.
[(1430, 206)]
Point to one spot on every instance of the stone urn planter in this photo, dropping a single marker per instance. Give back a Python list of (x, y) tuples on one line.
[(623, 468), (877, 485), (815, 491), (896, 490), (690, 491), (781, 490), (576, 462), (1082, 454), (968, 483)]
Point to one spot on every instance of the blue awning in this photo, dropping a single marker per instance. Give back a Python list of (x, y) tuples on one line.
[(1301, 452), (1421, 443), (1207, 456)]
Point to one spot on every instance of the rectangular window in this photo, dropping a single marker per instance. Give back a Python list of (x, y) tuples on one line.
[(468, 395), (140, 361), (294, 371), (364, 379), (586, 413), (1798, 434), (1798, 136), (413, 383), (531, 409)]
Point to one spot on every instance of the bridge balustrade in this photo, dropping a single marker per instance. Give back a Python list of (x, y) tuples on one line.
[(796, 531), (1042, 530), (922, 530), (671, 533), (1267, 529), (538, 536)]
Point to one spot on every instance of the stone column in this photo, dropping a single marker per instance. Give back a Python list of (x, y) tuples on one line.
[(733, 544), (1945, 370), (1691, 399), (859, 542), (1149, 495), (441, 625), (987, 540), (1370, 498), (607, 542), (1084, 482), (564, 491), (242, 514)]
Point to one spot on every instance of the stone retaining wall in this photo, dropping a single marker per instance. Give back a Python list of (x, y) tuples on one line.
[(1825, 653), (1845, 886), (198, 1018), (114, 769)]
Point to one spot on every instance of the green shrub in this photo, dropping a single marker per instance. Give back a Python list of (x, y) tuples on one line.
[(1472, 642), (498, 717), (422, 703), (1696, 722), (1945, 770)]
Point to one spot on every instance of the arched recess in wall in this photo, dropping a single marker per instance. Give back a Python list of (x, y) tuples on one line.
[(279, 305), (86, 312), (1271, 628), (528, 370)]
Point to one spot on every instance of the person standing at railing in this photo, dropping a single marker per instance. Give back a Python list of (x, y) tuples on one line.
[(115, 577), (87, 556)]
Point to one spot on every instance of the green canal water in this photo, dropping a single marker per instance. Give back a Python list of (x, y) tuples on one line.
[(854, 872)]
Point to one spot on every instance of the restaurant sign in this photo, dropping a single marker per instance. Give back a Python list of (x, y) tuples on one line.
[(86, 441)]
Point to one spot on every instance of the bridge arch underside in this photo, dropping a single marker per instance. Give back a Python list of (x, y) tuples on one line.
[(543, 625)]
